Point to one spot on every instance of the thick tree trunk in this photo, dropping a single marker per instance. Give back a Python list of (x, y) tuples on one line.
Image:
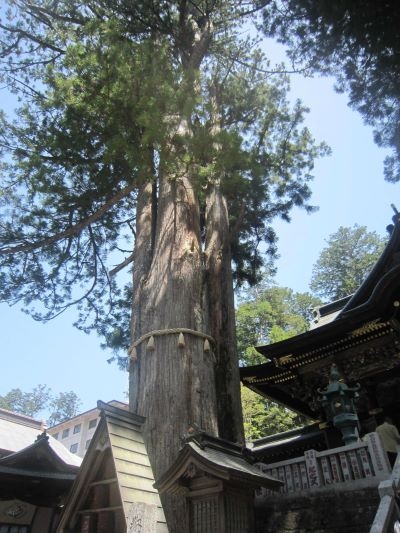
[(222, 316), (171, 385), (180, 388)]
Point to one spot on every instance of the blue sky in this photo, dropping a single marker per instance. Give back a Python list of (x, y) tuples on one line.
[(349, 188)]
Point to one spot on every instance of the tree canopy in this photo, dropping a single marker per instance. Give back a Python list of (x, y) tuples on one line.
[(359, 43), (345, 262), (104, 90), (262, 417), (154, 135), (61, 406), (270, 314)]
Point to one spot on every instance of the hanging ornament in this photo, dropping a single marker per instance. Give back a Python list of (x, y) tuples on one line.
[(150, 345), (181, 340), (132, 353)]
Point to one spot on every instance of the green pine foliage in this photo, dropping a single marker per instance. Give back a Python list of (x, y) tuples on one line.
[(358, 42), (102, 90), (345, 262)]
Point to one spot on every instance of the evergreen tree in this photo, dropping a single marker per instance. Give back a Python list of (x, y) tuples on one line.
[(359, 43), (266, 315), (149, 133), (262, 418), (345, 262)]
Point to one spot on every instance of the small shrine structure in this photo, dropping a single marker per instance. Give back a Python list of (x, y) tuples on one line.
[(114, 490), (36, 475)]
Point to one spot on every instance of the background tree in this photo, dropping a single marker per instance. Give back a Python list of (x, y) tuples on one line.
[(358, 42), (271, 314), (61, 407), (268, 314), (261, 417), (345, 262), (153, 133)]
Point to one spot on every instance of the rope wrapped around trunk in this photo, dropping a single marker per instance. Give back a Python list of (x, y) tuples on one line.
[(173, 331)]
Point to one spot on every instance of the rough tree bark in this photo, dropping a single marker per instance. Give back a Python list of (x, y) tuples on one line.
[(221, 315), (172, 386), (182, 281)]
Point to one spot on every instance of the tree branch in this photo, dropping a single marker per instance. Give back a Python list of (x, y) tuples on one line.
[(74, 230), (122, 265), (33, 38)]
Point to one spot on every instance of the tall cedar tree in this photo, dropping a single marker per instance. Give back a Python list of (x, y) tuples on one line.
[(357, 41), (149, 133)]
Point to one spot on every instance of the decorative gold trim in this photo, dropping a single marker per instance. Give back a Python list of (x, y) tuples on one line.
[(366, 328), (284, 360)]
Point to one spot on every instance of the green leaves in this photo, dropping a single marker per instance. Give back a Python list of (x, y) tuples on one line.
[(117, 94), (271, 314), (357, 42), (345, 262), (262, 417), (61, 407)]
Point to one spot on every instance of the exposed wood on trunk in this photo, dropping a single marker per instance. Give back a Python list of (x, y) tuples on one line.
[(176, 387), (172, 386), (222, 316)]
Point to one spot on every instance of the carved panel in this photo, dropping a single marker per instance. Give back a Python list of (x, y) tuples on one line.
[(142, 518)]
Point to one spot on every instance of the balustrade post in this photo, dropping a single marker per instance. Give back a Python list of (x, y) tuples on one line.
[(379, 458), (313, 471)]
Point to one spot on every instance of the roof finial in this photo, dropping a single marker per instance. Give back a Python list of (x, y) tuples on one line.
[(43, 435)]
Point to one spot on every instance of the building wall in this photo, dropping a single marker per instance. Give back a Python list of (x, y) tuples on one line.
[(328, 512), (76, 433), (18, 513)]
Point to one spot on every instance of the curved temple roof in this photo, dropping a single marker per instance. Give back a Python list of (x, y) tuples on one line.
[(349, 332)]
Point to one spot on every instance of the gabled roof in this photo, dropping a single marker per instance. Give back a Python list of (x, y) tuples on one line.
[(19, 432), (291, 443), (37, 474), (367, 323), (215, 458), (117, 461), (328, 312), (45, 456)]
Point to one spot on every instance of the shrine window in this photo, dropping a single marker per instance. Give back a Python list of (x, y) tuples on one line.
[(73, 448), (77, 428), (65, 434)]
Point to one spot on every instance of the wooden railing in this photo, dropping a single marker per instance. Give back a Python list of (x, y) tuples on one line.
[(364, 463), (387, 518)]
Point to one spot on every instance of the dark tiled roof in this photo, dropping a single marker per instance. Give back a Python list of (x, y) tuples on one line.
[(216, 457)]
